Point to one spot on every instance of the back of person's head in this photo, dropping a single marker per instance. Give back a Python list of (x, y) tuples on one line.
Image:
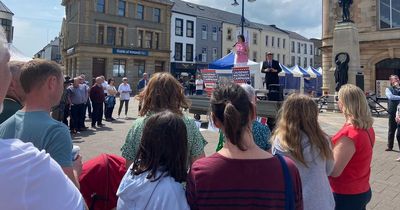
[(163, 147), (232, 109), (299, 114), (251, 93), (35, 73), (15, 86), (354, 105), (162, 92)]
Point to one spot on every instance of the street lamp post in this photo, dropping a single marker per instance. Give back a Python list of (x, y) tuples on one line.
[(235, 3)]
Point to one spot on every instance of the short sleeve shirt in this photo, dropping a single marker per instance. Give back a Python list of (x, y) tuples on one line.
[(355, 176), (32, 180), (196, 141), (43, 132)]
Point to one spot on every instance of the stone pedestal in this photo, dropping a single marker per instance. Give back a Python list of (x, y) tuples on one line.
[(345, 40)]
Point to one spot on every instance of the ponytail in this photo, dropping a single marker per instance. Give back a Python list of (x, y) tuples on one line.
[(231, 106), (232, 125)]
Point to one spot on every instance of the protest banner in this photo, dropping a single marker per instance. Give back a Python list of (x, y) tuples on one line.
[(241, 75), (210, 79)]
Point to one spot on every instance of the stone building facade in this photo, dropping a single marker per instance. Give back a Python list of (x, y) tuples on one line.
[(378, 23), (116, 38)]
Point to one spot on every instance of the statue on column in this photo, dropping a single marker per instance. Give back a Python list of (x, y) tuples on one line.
[(345, 4), (342, 67)]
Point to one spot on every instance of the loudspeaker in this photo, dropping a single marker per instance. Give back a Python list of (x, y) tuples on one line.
[(275, 93), (360, 80)]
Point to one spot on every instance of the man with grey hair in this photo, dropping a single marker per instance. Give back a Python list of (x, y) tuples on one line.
[(97, 97), (15, 97), (42, 82), (78, 94), (261, 133)]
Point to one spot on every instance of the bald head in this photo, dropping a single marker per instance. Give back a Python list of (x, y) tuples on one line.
[(99, 80)]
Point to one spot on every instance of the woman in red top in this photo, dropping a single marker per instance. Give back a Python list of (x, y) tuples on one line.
[(353, 146), (241, 175)]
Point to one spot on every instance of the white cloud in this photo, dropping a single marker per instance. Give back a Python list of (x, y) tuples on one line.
[(303, 16)]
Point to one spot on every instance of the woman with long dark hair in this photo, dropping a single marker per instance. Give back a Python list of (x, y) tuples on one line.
[(241, 175), (154, 179)]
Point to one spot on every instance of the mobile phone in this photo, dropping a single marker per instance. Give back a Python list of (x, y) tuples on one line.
[(75, 152)]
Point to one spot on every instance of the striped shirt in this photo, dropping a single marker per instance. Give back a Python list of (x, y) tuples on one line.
[(217, 182)]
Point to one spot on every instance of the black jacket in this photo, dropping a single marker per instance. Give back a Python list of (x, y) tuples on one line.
[(271, 77)]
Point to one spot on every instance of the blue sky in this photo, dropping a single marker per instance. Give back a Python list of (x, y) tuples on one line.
[(36, 23)]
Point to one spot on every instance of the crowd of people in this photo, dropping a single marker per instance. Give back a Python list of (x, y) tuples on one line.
[(298, 166)]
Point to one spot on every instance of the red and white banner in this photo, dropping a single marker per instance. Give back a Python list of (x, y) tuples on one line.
[(241, 75)]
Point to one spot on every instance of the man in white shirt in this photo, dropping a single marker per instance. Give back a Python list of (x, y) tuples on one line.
[(199, 85), (31, 179)]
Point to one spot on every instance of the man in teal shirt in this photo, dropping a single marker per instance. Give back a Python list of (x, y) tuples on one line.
[(42, 82), (15, 97)]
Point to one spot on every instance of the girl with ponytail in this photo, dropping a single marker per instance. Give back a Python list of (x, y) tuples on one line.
[(241, 174)]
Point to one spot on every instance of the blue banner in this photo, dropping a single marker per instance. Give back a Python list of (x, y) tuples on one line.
[(130, 52)]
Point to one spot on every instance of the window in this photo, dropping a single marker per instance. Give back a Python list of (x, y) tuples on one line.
[(293, 46), (140, 67), (229, 34), (140, 38), (293, 60), (189, 52), (298, 47), (140, 11), (156, 15), (189, 28), (284, 43), (178, 27), (121, 8), (178, 51), (279, 42), (111, 35), (254, 56), (254, 38), (266, 41), (121, 36), (204, 55), (305, 62), (311, 49), (156, 41), (119, 66), (214, 54), (273, 42), (299, 61), (283, 59), (279, 57), (305, 49), (214, 33), (389, 14), (149, 40), (311, 62), (100, 34), (204, 32), (100, 7)]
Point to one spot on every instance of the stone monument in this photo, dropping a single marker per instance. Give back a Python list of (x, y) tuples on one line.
[(346, 49)]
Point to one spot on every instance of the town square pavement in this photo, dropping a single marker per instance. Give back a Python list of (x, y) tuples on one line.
[(385, 174)]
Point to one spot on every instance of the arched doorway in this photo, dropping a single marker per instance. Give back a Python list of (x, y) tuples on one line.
[(383, 69)]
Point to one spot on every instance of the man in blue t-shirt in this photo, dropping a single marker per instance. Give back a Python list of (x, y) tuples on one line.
[(42, 82)]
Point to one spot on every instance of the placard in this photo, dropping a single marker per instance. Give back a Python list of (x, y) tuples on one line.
[(241, 75), (210, 78), (381, 86)]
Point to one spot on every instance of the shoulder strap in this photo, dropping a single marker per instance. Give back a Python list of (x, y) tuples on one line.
[(289, 192)]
